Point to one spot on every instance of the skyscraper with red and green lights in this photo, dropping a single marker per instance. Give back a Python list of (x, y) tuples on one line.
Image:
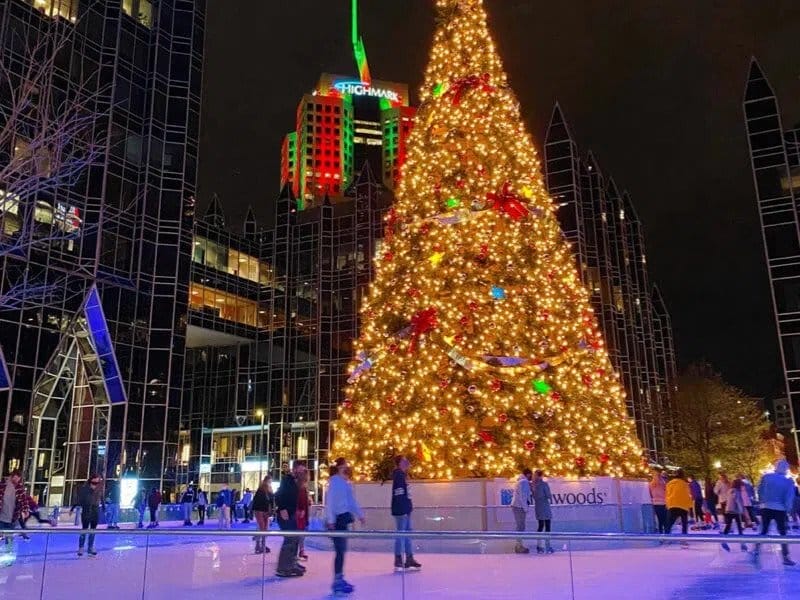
[(341, 124)]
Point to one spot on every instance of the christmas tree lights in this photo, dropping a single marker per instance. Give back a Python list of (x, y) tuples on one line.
[(479, 351)]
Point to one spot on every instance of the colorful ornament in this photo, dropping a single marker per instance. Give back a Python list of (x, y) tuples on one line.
[(529, 445), (496, 385), (388, 256), (498, 293), (461, 86), (556, 397), (438, 89), (541, 386), (473, 389), (587, 380), (604, 458), (507, 202), (452, 202), (502, 417), (580, 462), (436, 258), (487, 436), (421, 323)]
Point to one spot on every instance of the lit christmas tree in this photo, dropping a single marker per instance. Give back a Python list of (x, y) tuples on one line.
[(479, 351)]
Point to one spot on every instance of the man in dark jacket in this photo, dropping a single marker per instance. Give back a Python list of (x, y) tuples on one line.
[(112, 504), (286, 505), (89, 499), (188, 499), (401, 511)]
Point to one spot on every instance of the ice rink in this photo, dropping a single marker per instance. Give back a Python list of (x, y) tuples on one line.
[(173, 567)]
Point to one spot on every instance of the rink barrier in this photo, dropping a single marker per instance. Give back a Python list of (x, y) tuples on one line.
[(716, 538)]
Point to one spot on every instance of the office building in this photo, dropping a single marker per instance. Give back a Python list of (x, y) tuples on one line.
[(775, 160), (96, 266), (608, 242)]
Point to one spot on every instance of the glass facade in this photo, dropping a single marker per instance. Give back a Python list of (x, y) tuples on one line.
[(94, 300), (775, 160), (608, 243)]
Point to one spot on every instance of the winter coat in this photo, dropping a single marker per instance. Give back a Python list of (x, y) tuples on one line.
[(658, 492), (401, 498), (302, 507), (224, 498), (263, 501), (697, 491), (340, 500), (679, 495), (286, 498), (522, 493), (201, 499), (89, 500), (541, 500), (189, 496), (776, 492), (154, 499), (20, 500), (734, 503), (721, 490)]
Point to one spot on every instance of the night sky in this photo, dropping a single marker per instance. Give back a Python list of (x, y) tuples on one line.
[(653, 88)]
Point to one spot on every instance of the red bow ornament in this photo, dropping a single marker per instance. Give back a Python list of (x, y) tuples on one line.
[(463, 85), (508, 202), (421, 323)]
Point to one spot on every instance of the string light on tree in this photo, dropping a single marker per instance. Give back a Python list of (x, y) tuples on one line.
[(477, 326)]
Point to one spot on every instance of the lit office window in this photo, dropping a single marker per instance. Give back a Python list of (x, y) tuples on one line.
[(225, 305), (66, 9), (141, 10)]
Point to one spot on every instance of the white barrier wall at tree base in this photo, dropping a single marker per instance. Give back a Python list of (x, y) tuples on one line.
[(596, 504)]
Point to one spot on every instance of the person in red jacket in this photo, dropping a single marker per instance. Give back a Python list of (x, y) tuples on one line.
[(13, 502), (302, 510)]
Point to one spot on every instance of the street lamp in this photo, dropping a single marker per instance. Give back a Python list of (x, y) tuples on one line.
[(260, 413)]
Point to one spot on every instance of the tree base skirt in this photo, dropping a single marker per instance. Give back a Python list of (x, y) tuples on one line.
[(594, 504)]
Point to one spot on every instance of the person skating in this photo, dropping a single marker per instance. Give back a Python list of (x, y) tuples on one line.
[(235, 497), (711, 504), (286, 507), (33, 511), (247, 501), (188, 499), (13, 504), (223, 504), (89, 498), (341, 508), (721, 489), (153, 502), (202, 504), (141, 506), (697, 498), (542, 498), (750, 503), (679, 502), (402, 506), (776, 493), (112, 499), (263, 503), (734, 509), (303, 506), (520, 501), (658, 495)]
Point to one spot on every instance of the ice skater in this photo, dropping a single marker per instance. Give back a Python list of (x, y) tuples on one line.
[(202, 503), (224, 501), (520, 501), (286, 507), (734, 510), (776, 492), (658, 495), (542, 498), (13, 504), (153, 502), (341, 509), (263, 502), (401, 511), (679, 503), (188, 499), (89, 498), (33, 511), (141, 506)]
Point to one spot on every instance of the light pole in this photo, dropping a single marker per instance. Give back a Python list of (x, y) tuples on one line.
[(260, 413)]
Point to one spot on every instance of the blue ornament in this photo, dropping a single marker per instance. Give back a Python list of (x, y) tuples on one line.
[(498, 293)]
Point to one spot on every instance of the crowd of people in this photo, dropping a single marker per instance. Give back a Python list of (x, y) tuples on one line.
[(681, 497)]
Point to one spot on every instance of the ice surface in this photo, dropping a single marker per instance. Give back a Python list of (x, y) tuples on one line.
[(198, 568)]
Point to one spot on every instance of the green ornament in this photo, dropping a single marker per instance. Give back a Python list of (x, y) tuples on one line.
[(453, 202), (540, 386), (438, 90)]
